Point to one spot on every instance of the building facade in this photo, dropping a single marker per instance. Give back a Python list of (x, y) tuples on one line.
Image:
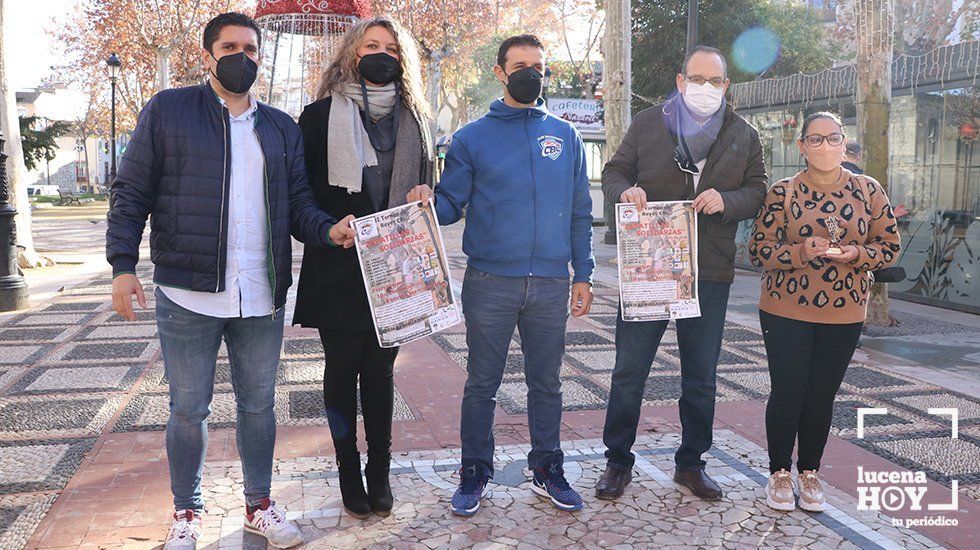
[(934, 160)]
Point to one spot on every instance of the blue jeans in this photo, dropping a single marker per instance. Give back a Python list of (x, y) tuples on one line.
[(699, 342), (493, 306), (190, 343)]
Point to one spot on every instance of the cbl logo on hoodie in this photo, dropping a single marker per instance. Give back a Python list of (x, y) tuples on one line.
[(550, 147)]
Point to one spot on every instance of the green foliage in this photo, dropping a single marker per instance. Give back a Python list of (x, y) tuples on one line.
[(660, 36), (567, 81), (40, 145)]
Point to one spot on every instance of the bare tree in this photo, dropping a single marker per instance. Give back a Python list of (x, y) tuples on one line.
[(163, 26), (570, 11)]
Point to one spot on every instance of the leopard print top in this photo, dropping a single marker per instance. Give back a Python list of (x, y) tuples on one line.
[(821, 290)]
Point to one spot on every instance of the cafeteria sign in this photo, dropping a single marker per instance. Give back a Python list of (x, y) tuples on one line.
[(584, 114)]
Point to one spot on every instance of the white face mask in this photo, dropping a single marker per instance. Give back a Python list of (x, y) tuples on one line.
[(703, 100)]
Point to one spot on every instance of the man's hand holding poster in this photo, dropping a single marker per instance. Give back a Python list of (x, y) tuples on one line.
[(658, 267)]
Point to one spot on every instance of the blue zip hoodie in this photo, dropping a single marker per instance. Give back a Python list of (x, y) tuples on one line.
[(523, 174)]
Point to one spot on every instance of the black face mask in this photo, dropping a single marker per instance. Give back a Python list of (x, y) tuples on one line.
[(379, 68), (236, 72), (525, 85)]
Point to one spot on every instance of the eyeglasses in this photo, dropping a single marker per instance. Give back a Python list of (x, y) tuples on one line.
[(815, 140), (699, 80)]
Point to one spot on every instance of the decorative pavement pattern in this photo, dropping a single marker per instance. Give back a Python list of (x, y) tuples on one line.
[(423, 483), (907, 435), (71, 371)]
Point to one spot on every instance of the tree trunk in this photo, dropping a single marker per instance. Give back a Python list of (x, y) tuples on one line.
[(16, 172), (459, 112), (434, 83), (163, 69), (875, 23), (617, 95)]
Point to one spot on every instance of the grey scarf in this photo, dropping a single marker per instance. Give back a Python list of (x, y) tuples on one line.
[(349, 148), (694, 140)]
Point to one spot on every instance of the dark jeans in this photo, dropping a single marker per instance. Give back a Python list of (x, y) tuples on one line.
[(699, 341), (353, 355), (807, 362), (190, 343), (493, 306)]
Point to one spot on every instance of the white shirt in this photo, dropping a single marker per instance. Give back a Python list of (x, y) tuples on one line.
[(248, 292)]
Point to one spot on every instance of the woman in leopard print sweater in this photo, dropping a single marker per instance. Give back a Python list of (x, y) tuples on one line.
[(814, 298)]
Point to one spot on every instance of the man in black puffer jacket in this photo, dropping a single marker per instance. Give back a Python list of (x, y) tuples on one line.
[(225, 181)]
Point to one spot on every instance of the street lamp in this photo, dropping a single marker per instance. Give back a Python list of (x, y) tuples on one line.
[(114, 67), (13, 288), (692, 26)]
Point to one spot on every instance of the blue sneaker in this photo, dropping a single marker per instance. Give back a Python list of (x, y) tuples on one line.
[(550, 483), (472, 488)]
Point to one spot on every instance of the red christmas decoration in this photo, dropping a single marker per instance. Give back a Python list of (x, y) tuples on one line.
[(969, 131), (356, 8)]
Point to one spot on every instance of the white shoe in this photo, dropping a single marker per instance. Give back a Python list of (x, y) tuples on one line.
[(779, 491), (184, 531), (270, 522), (811, 492)]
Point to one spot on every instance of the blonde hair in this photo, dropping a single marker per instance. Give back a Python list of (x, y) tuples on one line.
[(343, 68)]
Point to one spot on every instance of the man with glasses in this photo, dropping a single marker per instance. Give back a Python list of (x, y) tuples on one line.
[(693, 147)]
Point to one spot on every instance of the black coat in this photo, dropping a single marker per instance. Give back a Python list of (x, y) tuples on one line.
[(735, 167), (331, 293), (177, 168)]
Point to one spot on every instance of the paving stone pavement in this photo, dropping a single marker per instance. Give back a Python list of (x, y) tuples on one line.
[(653, 512), (83, 402)]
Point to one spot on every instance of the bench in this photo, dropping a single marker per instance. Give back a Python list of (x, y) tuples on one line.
[(67, 198)]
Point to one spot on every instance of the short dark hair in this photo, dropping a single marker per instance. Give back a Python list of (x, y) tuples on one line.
[(214, 26), (705, 49), (514, 42), (853, 148)]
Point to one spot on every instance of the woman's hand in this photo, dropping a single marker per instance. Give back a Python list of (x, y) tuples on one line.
[(848, 253), (419, 193), (814, 247), (341, 233)]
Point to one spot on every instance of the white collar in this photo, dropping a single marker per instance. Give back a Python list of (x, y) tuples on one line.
[(249, 113)]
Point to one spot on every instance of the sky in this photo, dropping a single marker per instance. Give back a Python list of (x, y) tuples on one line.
[(30, 50)]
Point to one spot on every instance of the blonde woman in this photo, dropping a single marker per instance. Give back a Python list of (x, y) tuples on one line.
[(367, 144)]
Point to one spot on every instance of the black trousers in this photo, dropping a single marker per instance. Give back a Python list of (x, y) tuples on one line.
[(807, 362), (352, 356)]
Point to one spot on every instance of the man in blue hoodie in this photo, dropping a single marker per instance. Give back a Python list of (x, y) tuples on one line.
[(522, 173)]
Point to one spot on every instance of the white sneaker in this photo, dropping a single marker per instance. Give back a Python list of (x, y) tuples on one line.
[(811, 492), (184, 531), (270, 522), (779, 491)]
